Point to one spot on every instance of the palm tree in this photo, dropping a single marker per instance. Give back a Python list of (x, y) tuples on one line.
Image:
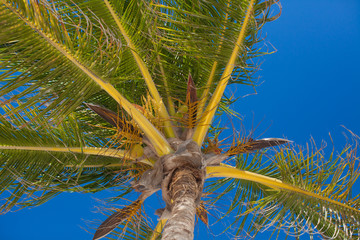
[(100, 94)]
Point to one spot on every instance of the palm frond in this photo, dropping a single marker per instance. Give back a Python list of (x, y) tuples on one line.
[(209, 113), (37, 69), (194, 31), (62, 44), (250, 145), (38, 163), (307, 192), (116, 120), (137, 226), (117, 218), (144, 71)]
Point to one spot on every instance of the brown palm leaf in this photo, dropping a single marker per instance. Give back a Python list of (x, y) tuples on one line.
[(117, 218), (202, 213), (114, 119), (191, 101), (253, 145)]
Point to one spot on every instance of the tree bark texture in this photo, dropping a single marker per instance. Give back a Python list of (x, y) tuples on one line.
[(185, 188)]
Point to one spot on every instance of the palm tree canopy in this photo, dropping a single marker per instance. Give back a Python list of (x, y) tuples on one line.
[(96, 94)]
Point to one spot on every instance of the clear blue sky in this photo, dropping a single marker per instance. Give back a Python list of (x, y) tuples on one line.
[(310, 87)]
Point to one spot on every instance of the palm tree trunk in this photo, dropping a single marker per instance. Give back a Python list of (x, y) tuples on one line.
[(185, 189)]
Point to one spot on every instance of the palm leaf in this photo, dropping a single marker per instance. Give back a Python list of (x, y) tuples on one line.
[(144, 71), (208, 116), (63, 47), (116, 120), (307, 191), (117, 218), (136, 226), (48, 160)]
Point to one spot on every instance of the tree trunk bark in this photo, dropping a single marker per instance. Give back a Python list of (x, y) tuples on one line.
[(184, 190)]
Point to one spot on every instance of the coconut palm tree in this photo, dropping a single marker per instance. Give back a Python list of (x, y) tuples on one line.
[(105, 94)]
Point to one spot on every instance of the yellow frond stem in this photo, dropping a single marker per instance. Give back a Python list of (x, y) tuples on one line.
[(108, 152), (161, 145), (111, 165), (145, 73), (231, 172), (209, 113), (158, 229), (205, 93)]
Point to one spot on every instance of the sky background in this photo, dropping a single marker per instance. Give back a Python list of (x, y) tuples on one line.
[(310, 87)]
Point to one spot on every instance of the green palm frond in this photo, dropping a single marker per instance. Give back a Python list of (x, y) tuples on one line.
[(87, 59), (318, 197), (143, 68), (182, 37), (194, 31), (71, 39), (43, 75), (44, 161)]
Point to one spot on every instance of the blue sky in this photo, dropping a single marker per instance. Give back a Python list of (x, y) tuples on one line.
[(309, 88)]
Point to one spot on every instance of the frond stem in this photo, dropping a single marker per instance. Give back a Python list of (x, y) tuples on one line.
[(158, 229), (231, 172), (205, 93), (209, 113), (145, 73), (107, 152)]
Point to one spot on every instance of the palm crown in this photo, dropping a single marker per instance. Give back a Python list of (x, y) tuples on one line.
[(99, 94)]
